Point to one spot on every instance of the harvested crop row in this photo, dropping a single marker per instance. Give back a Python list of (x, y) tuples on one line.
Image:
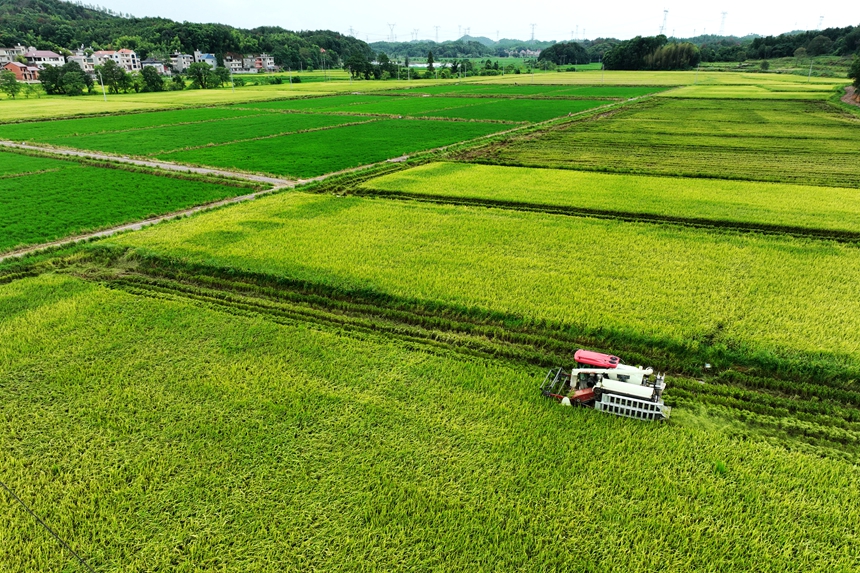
[(782, 304)]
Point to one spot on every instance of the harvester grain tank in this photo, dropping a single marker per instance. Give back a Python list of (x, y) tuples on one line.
[(603, 382)]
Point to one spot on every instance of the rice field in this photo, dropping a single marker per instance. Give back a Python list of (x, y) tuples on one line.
[(45, 199), (740, 204), (344, 376), (807, 143), (734, 288), (201, 439), (315, 153)]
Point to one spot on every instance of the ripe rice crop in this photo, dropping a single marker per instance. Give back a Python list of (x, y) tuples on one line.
[(315, 153), (42, 130), (768, 92), (693, 138), (164, 139), (203, 439), (69, 198), (772, 301), (763, 205)]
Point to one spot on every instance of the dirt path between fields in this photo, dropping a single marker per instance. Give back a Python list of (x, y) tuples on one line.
[(851, 96), (167, 166)]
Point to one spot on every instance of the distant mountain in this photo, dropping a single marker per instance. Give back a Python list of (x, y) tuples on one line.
[(483, 40), (62, 26)]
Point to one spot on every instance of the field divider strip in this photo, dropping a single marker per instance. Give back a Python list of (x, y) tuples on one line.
[(850, 237), (27, 173), (155, 164)]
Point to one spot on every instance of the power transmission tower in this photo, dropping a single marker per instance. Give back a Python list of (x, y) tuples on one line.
[(459, 34), (415, 34), (723, 24), (533, 32), (350, 31), (391, 37), (820, 22), (665, 15), (437, 33), (468, 30)]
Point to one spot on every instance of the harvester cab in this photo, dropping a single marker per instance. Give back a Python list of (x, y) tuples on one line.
[(603, 382)]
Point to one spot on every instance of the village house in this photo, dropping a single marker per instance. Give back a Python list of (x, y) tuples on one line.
[(23, 72), (87, 62), (206, 59), (42, 58), (160, 67), (180, 62), (126, 59), (11, 54)]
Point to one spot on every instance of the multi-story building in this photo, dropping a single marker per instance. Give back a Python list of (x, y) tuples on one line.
[(160, 67), (264, 63), (126, 59), (206, 58), (234, 63), (180, 62), (23, 72), (87, 62), (42, 58), (11, 54)]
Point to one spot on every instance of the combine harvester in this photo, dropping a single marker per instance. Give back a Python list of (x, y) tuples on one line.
[(602, 382)]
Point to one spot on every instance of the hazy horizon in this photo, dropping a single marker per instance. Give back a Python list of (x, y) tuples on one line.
[(371, 21)]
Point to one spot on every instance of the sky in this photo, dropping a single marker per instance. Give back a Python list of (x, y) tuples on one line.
[(371, 20)]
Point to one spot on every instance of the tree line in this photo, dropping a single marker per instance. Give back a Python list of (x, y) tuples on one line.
[(62, 26)]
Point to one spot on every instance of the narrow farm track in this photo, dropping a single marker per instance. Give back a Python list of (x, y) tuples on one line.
[(276, 181)]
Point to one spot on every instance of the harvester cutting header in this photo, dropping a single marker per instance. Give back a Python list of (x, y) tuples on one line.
[(602, 382)]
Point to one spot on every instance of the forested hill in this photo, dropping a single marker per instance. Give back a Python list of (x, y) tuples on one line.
[(59, 26)]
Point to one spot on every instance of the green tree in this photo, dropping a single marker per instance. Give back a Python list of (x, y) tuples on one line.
[(819, 46), (113, 76), (9, 84), (202, 75), (854, 72), (152, 81), (430, 60), (177, 83), (222, 76), (52, 78), (74, 83)]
